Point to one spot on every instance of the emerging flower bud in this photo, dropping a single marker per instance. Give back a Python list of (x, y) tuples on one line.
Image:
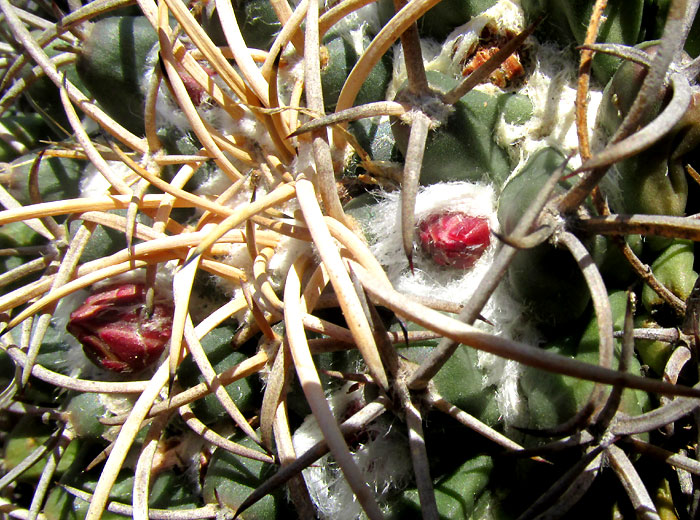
[(115, 331), (194, 90), (455, 239)]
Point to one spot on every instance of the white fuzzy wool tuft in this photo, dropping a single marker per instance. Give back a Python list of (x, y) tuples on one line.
[(289, 75), (304, 162), (363, 21), (474, 199), (430, 49), (504, 374), (456, 285), (551, 88), (384, 460), (508, 15), (287, 250), (94, 184), (248, 127), (168, 112), (214, 185)]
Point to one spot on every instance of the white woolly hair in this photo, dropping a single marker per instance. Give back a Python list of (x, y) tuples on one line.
[(94, 184), (288, 75), (288, 249), (384, 460), (248, 126), (169, 114), (364, 20), (429, 50), (304, 160), (456, 285), (215, 184), (551, 88), (473, 199)]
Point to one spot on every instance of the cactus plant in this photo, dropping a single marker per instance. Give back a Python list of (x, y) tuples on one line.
[(267, 259)]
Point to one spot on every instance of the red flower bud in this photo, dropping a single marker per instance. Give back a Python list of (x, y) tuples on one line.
[(455, 239), (115, 331)]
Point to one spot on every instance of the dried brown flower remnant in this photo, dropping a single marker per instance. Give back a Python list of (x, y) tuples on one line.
[(489, 44)]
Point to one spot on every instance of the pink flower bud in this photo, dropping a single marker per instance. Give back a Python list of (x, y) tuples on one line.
[(115, 331), (455, 239), (194, 90)]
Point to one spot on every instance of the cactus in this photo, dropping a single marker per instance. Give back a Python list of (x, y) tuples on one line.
[(302, 260)]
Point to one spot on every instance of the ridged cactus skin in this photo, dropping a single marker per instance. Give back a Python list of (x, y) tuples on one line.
[(446, 16), (113, 66), (338, 56), (230, 479), (674, 268), (567, 22), (654, 181), (470, 127), (553, 399), (544, 278), (168, 492), (57, 178), (27, 435), (218, 345), (456, 494)]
